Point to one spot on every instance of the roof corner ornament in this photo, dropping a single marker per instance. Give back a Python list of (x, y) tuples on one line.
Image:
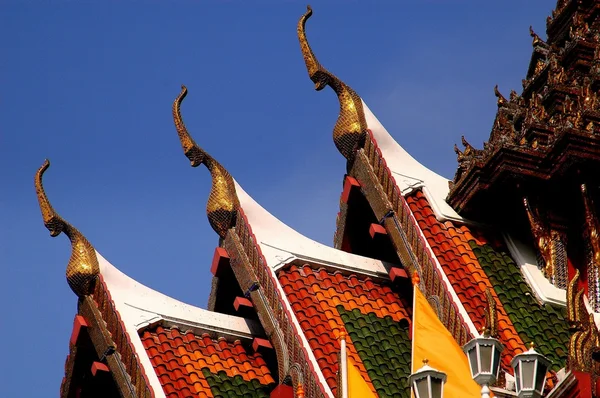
[(491, 315), (223, 202), (465, 158), (502, 101), (592, 235), (83, 268), (351, 126), (537, 41)]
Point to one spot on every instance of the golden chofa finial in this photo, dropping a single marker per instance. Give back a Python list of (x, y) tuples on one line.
[(223, 202), (83, 267), (351, 127)]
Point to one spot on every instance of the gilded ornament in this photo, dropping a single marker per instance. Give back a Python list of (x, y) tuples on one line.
[(590, 127), (83, 267), (351, 128), (491, 315), (537, 41), (223, 202), (539, 66), (465, 158), (501, 100), (544, 239), (591, 223), (572, 314), (557, 72)]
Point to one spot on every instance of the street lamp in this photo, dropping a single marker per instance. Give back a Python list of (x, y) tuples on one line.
[(427, 382), (484, 360), (530, 369)]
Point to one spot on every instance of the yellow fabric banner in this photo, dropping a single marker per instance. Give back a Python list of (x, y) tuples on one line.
[(357, 386), (431, 340)]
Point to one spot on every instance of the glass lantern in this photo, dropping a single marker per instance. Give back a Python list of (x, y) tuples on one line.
[(484, 359), (530, 369), (427, 382)]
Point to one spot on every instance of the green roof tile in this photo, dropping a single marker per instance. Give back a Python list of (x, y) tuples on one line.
[(543, 324), (384, 349), (223, 386)]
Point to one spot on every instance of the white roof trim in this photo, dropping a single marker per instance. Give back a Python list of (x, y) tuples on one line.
[(281, 244), (525, 258), (409, 173), (139, 307)]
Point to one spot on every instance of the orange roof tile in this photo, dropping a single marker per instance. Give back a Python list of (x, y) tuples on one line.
[(183, 360)]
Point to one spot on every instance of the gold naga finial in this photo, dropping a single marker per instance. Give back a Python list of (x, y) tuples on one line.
[(351, 126), (491, 315), (83, 267), (223, 202)]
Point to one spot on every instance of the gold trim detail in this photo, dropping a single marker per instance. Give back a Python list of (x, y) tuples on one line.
[(223, 201), (491, 315), (572, 293), (83, 268), (545, 240), (351, 127)]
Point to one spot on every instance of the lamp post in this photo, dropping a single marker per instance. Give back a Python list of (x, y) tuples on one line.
[(530, 369), (484, 360), (427, 382)]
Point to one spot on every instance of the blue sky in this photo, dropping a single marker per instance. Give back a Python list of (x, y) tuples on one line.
[(90, 87)]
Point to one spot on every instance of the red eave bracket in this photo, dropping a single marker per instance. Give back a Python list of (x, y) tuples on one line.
[(377, 230), (99, 367), (260, 345), (78, 323), (220, 261), (243, 307), (282, 391), (349, 184), (397, 274)]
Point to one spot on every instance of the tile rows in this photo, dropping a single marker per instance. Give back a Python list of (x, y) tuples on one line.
[(451, 245), (200, 366), (375, 319)]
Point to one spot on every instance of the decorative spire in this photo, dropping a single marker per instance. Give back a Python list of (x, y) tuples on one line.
[(351, 127), (491, 315), (223, 202), (83, 267)]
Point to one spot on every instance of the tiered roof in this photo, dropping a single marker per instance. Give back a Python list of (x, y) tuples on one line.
[(301, 295)]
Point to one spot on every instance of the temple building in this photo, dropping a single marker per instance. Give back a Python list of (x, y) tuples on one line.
[(509, 248)]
